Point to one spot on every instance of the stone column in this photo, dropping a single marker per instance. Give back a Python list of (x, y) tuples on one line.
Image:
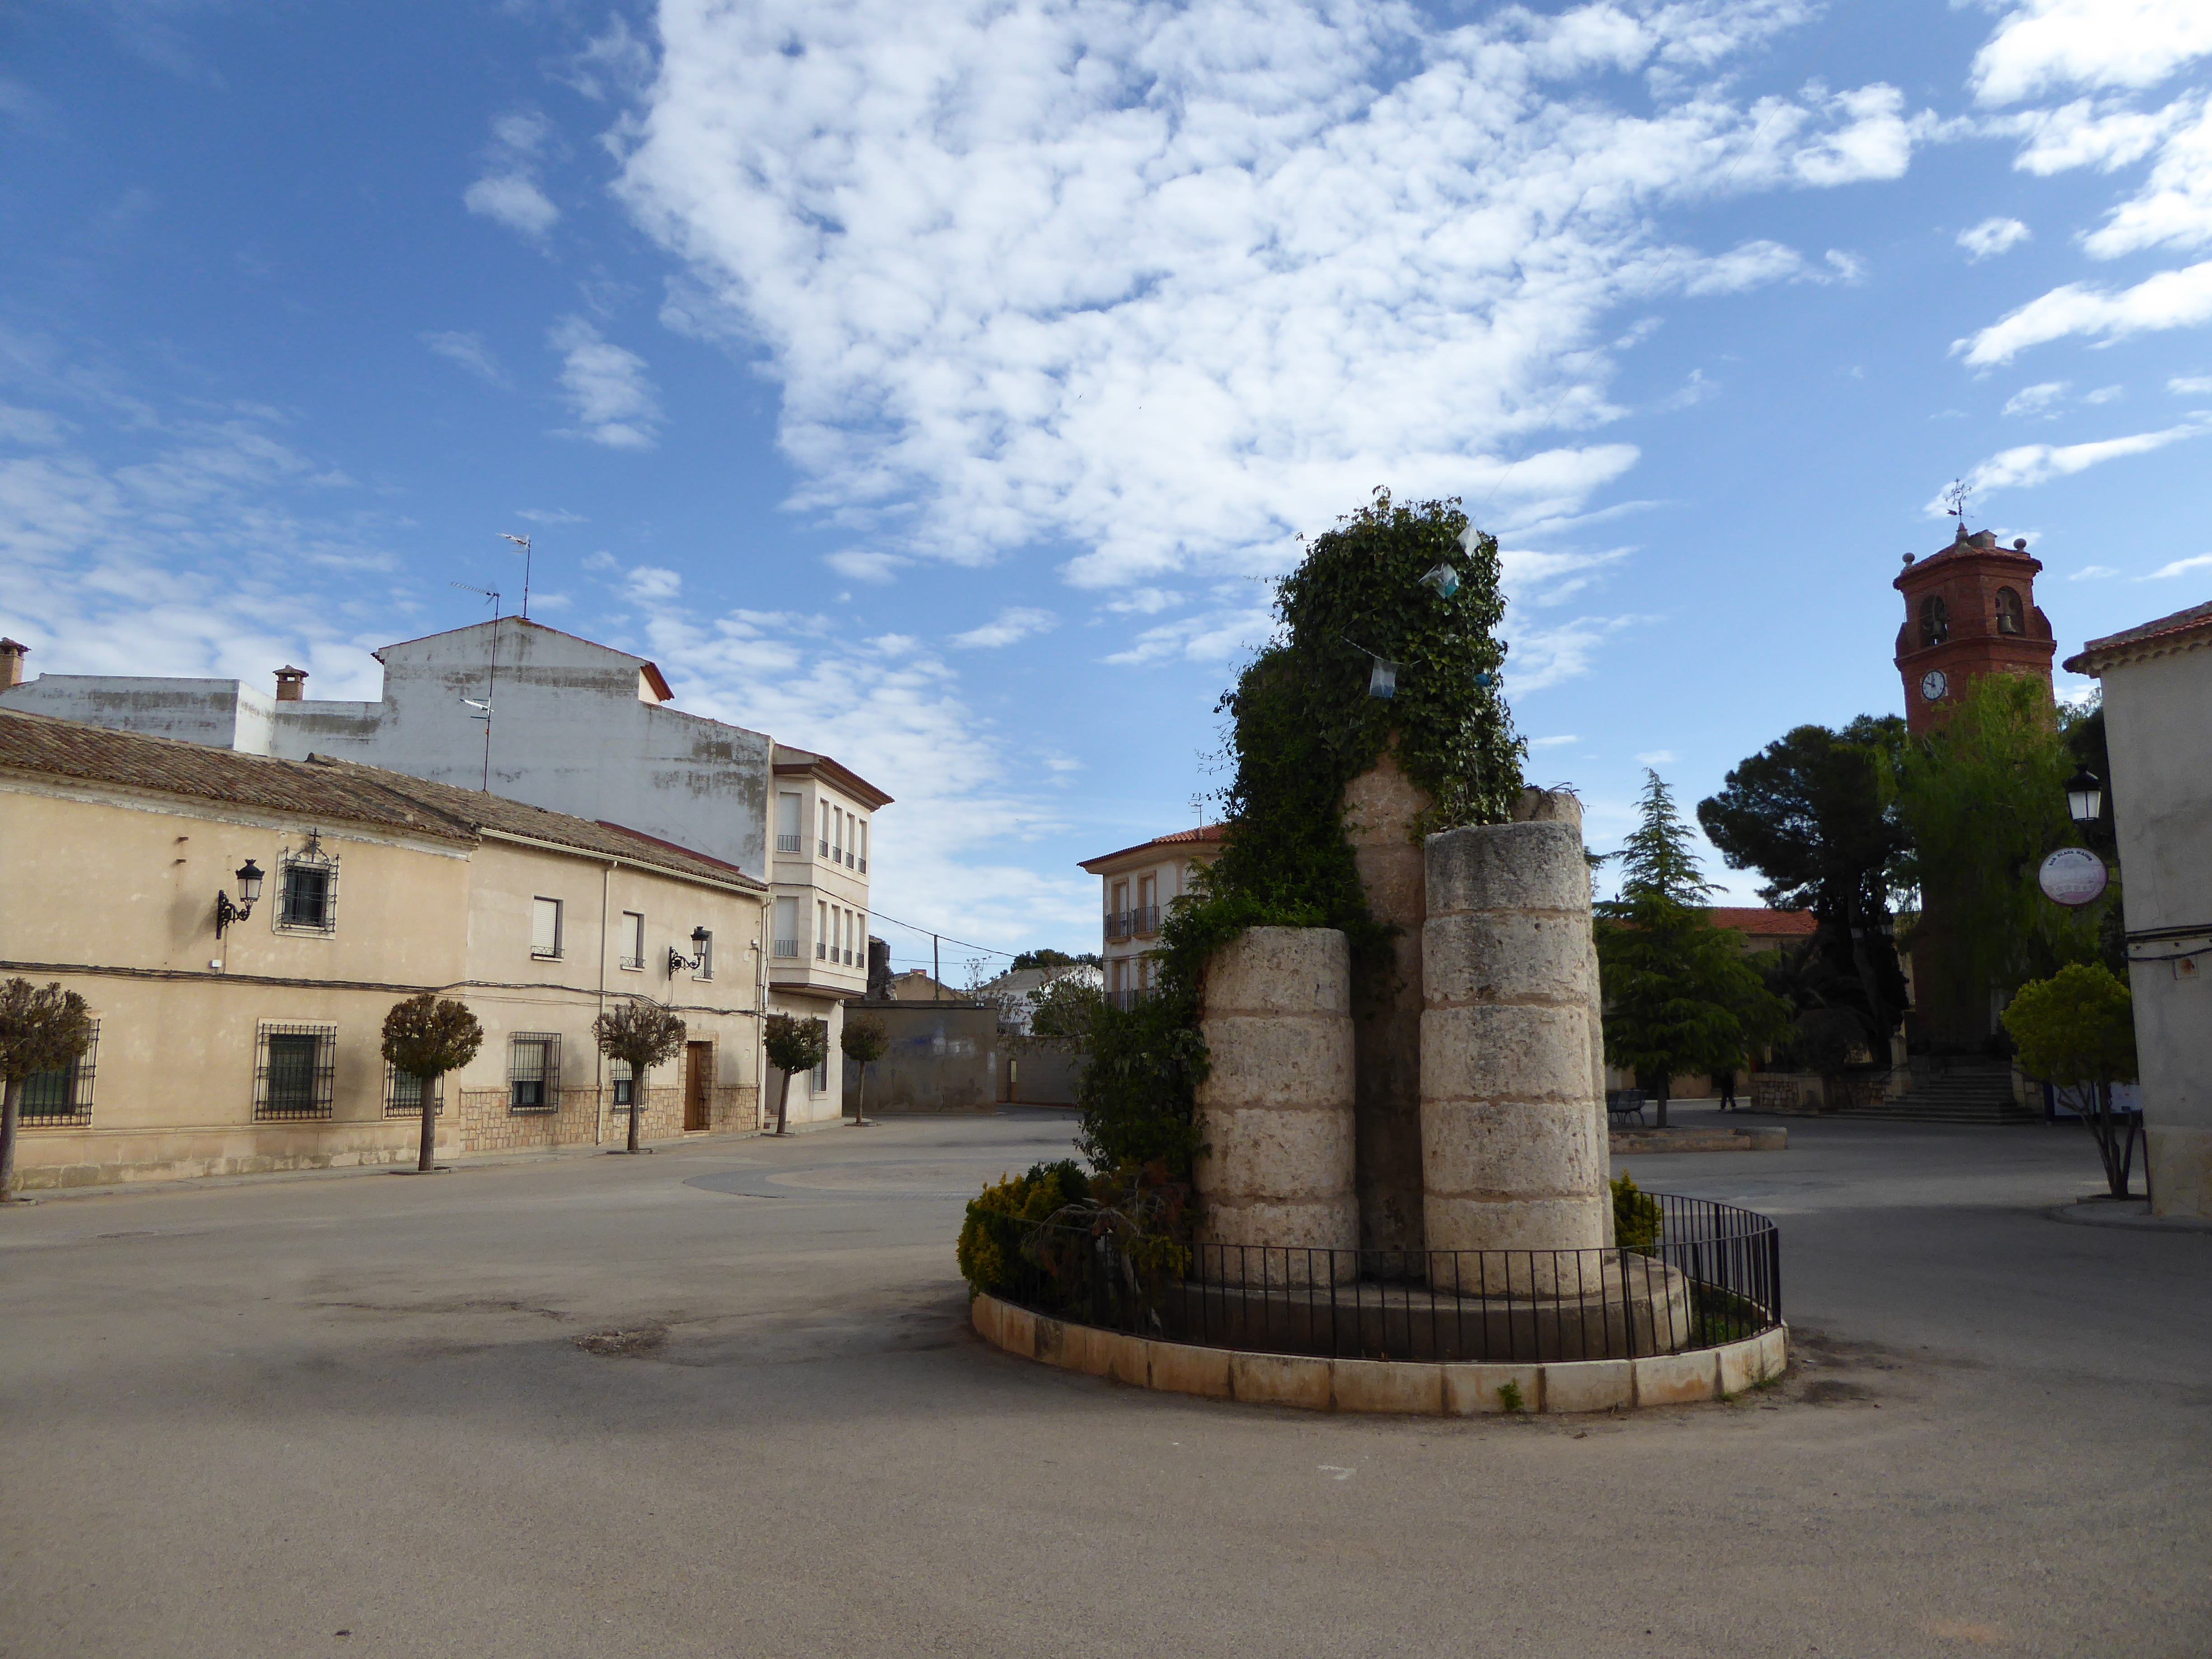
[(1380, 807), (1513, 1146), (1274, 1114)]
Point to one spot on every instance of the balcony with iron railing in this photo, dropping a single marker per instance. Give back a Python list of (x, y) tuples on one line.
[(1143, 921), (790, 843), (1118, 923)]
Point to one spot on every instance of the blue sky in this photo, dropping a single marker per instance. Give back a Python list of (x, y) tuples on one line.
[(938, 384)]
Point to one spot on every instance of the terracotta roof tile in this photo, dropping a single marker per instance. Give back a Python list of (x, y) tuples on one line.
[(2196, 617)]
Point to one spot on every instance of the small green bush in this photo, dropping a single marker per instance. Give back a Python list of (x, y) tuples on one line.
[(991, 1235), (1509, 1396), (1635, 1217)]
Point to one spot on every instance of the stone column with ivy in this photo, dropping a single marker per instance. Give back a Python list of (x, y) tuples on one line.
[(1513, 1139), (1275, 1110)]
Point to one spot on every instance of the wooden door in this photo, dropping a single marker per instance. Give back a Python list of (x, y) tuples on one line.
[(698, 1079)]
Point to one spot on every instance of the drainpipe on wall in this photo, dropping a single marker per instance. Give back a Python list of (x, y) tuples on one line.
[(599, 1112)]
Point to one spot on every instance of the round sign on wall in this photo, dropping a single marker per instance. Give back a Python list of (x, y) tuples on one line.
[(2072, 875)]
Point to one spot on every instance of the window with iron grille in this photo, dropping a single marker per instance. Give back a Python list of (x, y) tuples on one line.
[(545, 927), (403, 1094), (62, 1098), (785, 935), (633, 940), (306, 889), (533, 1072), (625, 1085), (295, 1071)]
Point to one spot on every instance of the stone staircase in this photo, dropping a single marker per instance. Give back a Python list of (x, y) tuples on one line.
[(1964, 1092)]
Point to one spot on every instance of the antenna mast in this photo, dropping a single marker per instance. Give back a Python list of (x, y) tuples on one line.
[(522, 542), (491, 677)]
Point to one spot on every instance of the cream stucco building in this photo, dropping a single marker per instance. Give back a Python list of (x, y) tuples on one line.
[(256, 1045), (2158, 731), (1138, 884)]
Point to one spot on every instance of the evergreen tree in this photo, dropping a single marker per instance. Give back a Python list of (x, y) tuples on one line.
[(1679, 995)]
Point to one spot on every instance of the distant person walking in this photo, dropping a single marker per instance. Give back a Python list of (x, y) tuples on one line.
[(1724, 1086)]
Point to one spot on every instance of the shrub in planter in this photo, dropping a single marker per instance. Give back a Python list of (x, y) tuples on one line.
[(1635, 1217)]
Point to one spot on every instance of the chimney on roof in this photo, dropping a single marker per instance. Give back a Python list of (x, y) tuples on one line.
[(291, 684), (12, 653)]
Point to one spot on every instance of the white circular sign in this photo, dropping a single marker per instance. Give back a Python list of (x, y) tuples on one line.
[(2072, 876)]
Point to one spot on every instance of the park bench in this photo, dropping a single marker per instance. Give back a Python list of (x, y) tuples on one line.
[(1623, 1104)]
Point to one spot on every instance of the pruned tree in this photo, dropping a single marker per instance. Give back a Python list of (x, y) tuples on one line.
[(1679, 995), (795, 1045), (425, 1037), (865, 1041), (642, 1035), (2077, 1029), (41, 1030)]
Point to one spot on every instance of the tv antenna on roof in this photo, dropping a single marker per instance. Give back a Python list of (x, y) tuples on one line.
[(492, 676), (522, 542)]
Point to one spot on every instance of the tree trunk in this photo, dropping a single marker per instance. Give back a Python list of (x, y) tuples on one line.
[(10, 1108), (1661, 1101), (637, 1097), (426, 1155), (860, 1100), (782, 1097)]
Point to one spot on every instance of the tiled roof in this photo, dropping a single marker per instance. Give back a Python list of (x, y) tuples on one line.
[(1207, 834), (2196, 617), (790, 760), (1766, 923), (320, 789)]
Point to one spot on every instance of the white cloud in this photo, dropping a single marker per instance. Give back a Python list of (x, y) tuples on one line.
[(2172, 299), (558, 515), (650, 582), (1009, 627), (2033, 463), (1145, 602), (2189, 385), (601, 560), (1992, 237), (38, 428), (2082, 134), (862, 564), (2104, 394), (613, 399), (1543, 657), (470, 351), (2174, 207), (2129, 44), (1553, 743), (1533, 580), (2040, 399), (507, 190), (1657, 757), (2180, 568), (1168, 282), (2090, 572)]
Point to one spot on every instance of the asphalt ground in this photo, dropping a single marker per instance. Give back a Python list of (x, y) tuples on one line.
[(724, 1400)]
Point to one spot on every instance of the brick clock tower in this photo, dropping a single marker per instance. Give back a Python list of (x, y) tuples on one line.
[(1969, 610)]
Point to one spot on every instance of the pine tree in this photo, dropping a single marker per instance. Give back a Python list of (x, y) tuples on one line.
[(1679, 995)]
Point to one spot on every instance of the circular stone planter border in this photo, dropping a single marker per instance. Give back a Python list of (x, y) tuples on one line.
[(1421, 1388)]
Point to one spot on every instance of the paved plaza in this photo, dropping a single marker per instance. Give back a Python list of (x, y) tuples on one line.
[(723, 1401)]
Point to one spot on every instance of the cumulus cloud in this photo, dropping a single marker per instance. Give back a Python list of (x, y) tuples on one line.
[(1169, 283), (2129, 44), (608, 389), (507, 190), (1992, 237), (2180, 568), (2172, 299), (2173, 208), (862, 564), (1009, 627), (2029, 464), (470, 351), (2040, 399)]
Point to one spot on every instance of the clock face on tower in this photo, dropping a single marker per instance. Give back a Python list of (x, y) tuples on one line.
[(1934, 684)]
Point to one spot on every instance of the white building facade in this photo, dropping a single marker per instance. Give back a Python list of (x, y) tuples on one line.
[(535, 715), (2157, 680), (1139, 883)]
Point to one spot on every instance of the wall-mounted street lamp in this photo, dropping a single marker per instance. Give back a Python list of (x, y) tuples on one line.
[(2085, 798), (249, 888), (677, 962)]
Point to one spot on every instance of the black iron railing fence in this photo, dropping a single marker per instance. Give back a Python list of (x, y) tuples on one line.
[(1713, 1275)]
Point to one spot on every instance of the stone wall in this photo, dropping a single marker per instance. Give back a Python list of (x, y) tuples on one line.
[(1513, 1136), (1276, 1111), (487, 1124)]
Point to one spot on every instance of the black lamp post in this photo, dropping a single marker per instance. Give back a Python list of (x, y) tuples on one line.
[(2085, 798), (677, 962), (249, 889)]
